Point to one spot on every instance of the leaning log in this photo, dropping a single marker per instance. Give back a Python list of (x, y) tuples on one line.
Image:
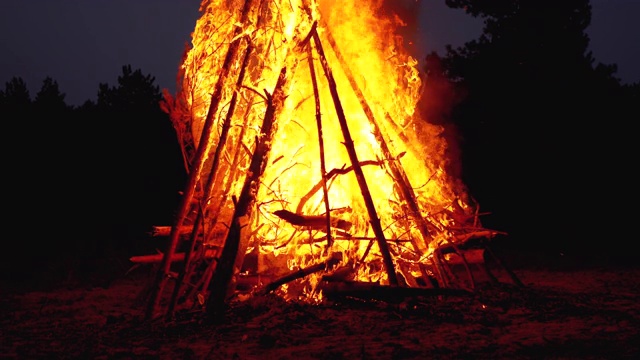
[(312, 221), (323, 166), (298, 274), (211, 180), (222, 284), (399, 175), (204, 146), (353, 156)]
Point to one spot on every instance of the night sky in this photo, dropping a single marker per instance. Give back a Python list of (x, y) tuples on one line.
[(82, 43)]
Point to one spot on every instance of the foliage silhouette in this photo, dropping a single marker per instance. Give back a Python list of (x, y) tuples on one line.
[(50, 98), (531, 120), (135, 92), (94, 180), (15, 96)]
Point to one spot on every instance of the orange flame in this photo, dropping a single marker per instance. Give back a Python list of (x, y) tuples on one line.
[(378, 85)]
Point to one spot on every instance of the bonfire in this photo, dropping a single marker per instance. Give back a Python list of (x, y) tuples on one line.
[(308, 162)]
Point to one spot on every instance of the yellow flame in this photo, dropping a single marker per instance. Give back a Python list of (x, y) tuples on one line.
[(371, 70)]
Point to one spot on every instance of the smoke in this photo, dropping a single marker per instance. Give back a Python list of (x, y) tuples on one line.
[(405, 15), (439, 95)]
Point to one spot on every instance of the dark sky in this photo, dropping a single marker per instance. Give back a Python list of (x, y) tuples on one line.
[(81, 43)]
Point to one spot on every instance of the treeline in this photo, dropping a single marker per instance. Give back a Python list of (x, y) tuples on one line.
[(544, 130), (86, 183)]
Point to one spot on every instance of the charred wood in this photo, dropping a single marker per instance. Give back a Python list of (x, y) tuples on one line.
[(203, 149), (323, 266), (353, 156), (312, 221), (222, 284)]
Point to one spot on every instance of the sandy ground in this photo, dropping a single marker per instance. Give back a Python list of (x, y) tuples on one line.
[(580, 314)]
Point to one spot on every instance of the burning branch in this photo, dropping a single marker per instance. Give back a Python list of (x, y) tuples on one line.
[(211, 180), (204, 146), (221, 285), (397, 171), (312, 221), (328, 176), (323, 167), (323, 266), (353, 156)]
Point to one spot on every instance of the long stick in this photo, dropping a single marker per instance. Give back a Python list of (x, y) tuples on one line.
[(406, 191), (208, 189), (362, 181), (221, 284), (227, 188), (323, 168), (332, 261), (204, 146)]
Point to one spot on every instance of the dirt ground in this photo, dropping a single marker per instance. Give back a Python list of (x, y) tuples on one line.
[(591, 313)]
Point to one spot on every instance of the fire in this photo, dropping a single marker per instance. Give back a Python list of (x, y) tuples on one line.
[(312, 64)]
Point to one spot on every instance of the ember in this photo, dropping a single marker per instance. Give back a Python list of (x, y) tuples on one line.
[(306, 158)]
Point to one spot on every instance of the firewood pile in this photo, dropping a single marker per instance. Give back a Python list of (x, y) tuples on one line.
[(362, 224)]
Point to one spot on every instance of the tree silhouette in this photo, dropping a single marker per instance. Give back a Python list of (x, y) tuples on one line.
[(531, 119), (15, 96), (135, 92), (50, 98), (137, 159), (94, 178)]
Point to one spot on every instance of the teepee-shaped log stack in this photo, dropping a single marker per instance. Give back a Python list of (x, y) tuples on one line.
[(305, 156)]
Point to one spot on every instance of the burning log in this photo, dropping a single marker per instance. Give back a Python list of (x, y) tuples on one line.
[(462, 238), (472, 249), (332, 261), (323, 166), (204, 146), (222, 284), (312, 221), (329, 175), (211, 180), (406, 191), (353, 156)]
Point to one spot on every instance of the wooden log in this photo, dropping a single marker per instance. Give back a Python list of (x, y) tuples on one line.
[(331, 174), (353, 156), (342, 236), (211, 179), (312, 221), (206, 278), (516, 280), (204, 146), (323, 266), (231, 179), (323, 167), (400, 177), (463, 238), (222, 283)]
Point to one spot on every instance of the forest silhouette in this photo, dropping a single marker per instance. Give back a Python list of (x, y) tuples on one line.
[(542, 132)]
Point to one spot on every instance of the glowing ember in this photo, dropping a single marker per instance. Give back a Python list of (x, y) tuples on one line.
[(316, 66)]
